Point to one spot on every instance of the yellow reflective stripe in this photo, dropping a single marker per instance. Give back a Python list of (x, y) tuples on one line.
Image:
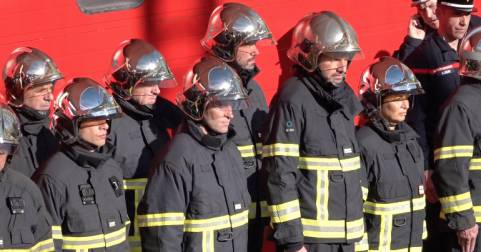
[(160, 219), (208, 241), (135, 184), (453, 152), (249, 150), (42, 246), (333, 228), (330, 164), (217, 223), (475, 164), (253, 209), (322, 195), (385, 233), (477, 213), (362, 245), (365, 192), (280, 149), (285, 211), (57, 232), (401, 207), (425, 231), (95, 241), (456, 203)]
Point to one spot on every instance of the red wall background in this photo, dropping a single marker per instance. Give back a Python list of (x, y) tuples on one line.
[(82, 45)]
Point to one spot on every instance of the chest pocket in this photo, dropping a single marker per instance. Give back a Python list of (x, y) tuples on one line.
[(318, 138), (390, 183), (207, 195), (84, 219), (22, 236)]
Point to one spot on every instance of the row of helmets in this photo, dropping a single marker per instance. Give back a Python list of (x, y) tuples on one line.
[(230, 25)]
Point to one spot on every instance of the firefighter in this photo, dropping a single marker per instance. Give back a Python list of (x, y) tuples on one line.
[(310, 151), (392, 158), (458, 154), (26, 225), (196, 199), (421, 25), (138, 73), (81, 183), (237, 45), (29, 76)]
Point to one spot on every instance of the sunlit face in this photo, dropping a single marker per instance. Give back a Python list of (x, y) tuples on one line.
[(246, 56), (217, 117), (395, 108), (333, 69), (146, 94), (453, 23), (38, 97), (94, 131), (427, 11)]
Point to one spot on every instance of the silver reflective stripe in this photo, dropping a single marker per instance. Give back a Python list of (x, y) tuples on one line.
[(386, 226), (208, 241), (453, 151), (323, 191), (144, 222), (455, 204), (324, 229), (135, 184)]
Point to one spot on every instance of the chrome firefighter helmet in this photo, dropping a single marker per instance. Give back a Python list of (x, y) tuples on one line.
[(470, 54), (27, 67), (385, 77), (232, 25), (82, 99), (211, 81), (9, 129), (136, 62), (322, 33)]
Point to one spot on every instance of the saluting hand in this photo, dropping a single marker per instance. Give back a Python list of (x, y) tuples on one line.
[(416, 28)]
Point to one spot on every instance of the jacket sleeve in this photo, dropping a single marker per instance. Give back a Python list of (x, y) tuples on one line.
[(407, 47), (280, 159), (54, 200), (162, 209), (452, 155)]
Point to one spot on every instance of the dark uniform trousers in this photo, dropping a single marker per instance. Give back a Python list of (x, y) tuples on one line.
[(138, 136), (457, 174), (394, 191), (195, 199), (312, 157), (84, 194), (248, 127), (24, 222)]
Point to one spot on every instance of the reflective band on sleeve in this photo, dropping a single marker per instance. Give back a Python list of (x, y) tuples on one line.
[(95, 241), (264, 210), (330, 164), (453, 152), (456, 203), (477, 213), (401, 207), (365, 192), (285, 211), (333, 228), (57, 232), (280, 149), (217, 223), (249, 150), (160, 219), (135, 184), (475, 164)]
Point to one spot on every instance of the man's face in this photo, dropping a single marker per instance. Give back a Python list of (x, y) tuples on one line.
[(453, 23), (217, 117), (246, 56), (94, 131), (38, 97), (333, 69), (395, 108), (146, 93), (427, 11)]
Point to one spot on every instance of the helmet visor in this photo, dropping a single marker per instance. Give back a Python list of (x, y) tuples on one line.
[(402, 81), (95, 102)]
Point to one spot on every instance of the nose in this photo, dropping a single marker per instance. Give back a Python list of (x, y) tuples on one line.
[(405, 104), (255, 51), (229, 113), (463, 20), (155, 90), (104, 126)]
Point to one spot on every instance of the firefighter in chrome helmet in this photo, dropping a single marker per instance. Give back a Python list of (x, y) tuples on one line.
[(138, 74), (195, 199), (393, 160), (29, 76), (457, 152), (234, 35), (20, 198), (81, 183), (310, 135)]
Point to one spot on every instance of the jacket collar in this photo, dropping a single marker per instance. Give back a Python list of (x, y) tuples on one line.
[(86, 158), (209, 140), (400, 134)]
